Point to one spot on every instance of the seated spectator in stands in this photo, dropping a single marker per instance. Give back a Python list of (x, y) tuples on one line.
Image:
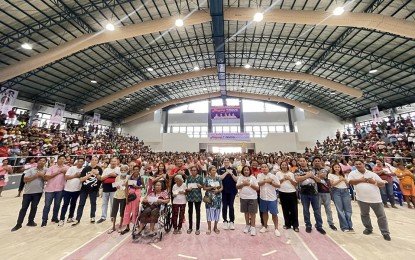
[(406, 183), (368, 196), (33, 191)]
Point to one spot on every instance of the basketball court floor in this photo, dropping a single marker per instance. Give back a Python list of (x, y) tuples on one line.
[(91, 241)]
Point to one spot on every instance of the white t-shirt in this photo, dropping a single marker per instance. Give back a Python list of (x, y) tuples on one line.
[(108, 171), (286, 186), (335, 178), (247, 193), (180, 198), (75, 183), (366, 192), (267, 191)]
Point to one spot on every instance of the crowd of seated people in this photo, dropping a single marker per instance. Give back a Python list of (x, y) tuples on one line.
[(71, 168)]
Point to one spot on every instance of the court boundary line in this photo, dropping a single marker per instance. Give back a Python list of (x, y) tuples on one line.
[(344, 249), (306, 247), (115, 247)]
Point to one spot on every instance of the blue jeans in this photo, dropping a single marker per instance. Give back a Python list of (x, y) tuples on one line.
[(69, 197), (343, 203), (314, 200), (82, 200), (56, 198), (325, 200), (387, 193), (106, 196)]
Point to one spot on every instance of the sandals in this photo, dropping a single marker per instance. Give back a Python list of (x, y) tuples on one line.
[(197, 232), (111, 231), (217, 231), (125, 231), (189, 231)]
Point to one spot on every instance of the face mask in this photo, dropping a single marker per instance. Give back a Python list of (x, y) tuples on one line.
[(123, 174)]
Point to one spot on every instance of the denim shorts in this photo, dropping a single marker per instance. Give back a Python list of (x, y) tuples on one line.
[(268, 206)]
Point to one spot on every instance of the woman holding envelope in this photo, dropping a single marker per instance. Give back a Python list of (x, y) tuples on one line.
[(213, 187), (119, 197), (132, 206), (194, 184)]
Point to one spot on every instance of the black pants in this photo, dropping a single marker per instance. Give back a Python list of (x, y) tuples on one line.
[(69, 198), (21, 184), (289, 208), (260, 214), (33, 201), (82, 200), (190, 211), (227, 202)]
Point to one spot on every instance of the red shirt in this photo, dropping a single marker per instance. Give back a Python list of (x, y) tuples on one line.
[(256, 171), (176, 169), (4, 152)]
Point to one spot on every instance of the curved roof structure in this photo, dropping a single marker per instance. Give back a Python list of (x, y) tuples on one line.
[(300, 53)]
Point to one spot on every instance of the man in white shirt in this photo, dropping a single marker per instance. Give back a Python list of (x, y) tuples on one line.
[(71, 190), (107, 178), (268, 197), (366, 184)]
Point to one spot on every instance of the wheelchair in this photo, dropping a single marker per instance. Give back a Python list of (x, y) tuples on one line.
[(164, 223)]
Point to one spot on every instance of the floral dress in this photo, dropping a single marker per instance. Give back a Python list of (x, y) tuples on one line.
[(216, 197)]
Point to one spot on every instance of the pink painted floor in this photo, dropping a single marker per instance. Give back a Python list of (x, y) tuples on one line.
[(226, 245)]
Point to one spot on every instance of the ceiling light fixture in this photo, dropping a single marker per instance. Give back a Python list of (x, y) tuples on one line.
[(247, 66), (110, 27), (298, 63), (204, 88), (196, 68), (94, 81), (128, 98), (179, 22), (258, 17), (27, 46), (280, 86), (150, 69), (373, 71), (332, 93), (338, 10)]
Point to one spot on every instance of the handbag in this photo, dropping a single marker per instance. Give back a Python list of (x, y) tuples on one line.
[(207, 199), (131, 197)]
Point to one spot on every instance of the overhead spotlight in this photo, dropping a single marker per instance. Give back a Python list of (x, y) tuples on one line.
[(110, 27), (258, 17), (242, 87), (204, 88), (280, 86), (338, 10), (373, 71), (247, 66), (128, 98), (147, 108), (196, 68), (332, 93), (94, 81), (298, 63), (150, 69), (179, 22), (26, 46)]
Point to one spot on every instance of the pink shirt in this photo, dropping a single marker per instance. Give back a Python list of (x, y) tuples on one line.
[(57, 183)]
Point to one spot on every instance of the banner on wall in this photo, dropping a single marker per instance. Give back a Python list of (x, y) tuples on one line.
[(225, 114), (57, 113), (97, 119), (7, 99), (374, 112), (229, 136)]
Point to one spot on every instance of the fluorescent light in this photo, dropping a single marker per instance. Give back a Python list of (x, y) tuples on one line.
[(338, 10), (247, 66), (258, 17), (110, 27), (94, 81), (128, 98), (298, 63), (204, 88), (147, 108), (280, 86), (373, 71), (179, 22), (196, 68), (242, 87), (150, 69), (332, 93), (27, 46)]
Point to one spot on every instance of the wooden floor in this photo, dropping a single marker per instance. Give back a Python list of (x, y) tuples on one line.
[(53, 242)]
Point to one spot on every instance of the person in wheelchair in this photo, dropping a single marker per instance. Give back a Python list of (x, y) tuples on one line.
[(151, 207)]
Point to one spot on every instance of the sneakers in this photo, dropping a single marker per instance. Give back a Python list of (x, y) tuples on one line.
[(70, 220), (61, 222), (387, 237), (277, 233), (351, 231), (247, 228), (99, 221), (231, 226), (92, 220), (44, 223), (55, 220), (367, 232), (263, 230), (252, 231), (333, 227), (308, 229), (321, 230), (31, 224), (76, 222), (17, 227), (225, 225)]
